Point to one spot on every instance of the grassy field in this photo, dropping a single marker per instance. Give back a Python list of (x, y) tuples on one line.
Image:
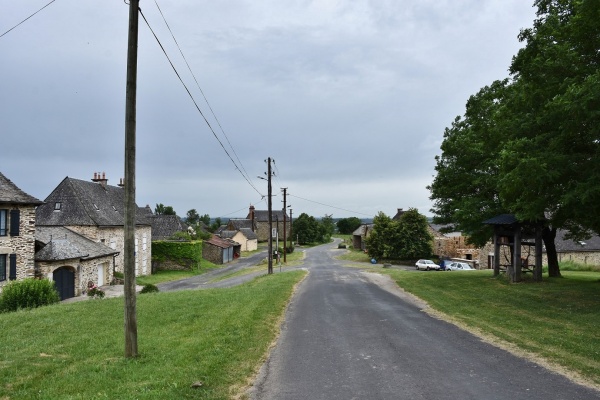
[(167, 276), (75, 351), (557, 319)]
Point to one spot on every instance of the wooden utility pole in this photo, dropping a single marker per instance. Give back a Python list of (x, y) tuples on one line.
[(284, 226), (131, 347), (270, 268), (291, 228)]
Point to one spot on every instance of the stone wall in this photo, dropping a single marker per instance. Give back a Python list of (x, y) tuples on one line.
[(23, 245), (85, 271), (262, 230), (113, 237)]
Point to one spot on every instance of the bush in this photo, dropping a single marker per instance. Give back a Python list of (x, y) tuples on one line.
[(28, 293), (149, 288)]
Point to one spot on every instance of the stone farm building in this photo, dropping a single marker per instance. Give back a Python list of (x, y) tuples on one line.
[(95, 210)]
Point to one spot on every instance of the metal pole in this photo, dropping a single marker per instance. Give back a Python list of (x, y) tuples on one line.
[(131, 346)]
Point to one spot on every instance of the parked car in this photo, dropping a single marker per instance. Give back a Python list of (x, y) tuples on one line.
[(426, 265), (459, 266)]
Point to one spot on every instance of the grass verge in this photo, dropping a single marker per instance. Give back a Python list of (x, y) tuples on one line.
[(168, 276), (75, 351), (556, 319)]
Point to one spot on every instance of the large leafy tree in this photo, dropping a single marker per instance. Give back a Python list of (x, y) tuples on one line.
[(348, 225), (192, 217), (540, 131), (549, 168), (307, 229), (415, 239), (404, 239), (465, 189)]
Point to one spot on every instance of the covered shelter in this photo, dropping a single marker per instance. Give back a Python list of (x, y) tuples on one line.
[(514, 236)]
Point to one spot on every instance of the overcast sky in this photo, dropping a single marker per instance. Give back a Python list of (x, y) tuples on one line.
[(349, 97)]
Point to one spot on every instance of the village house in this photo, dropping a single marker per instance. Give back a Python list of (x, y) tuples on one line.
[(244, 236), (260, 223), (95, 210), (17, 232), (72, 261)]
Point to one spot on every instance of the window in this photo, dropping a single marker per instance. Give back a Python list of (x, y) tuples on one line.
[(2, 267), (3, 222)]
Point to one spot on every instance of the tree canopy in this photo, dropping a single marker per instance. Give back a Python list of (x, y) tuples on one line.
[(161, 209), (530, 145), (405, 239), (346, 226)]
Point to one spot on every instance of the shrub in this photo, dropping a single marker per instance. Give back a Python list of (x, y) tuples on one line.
[(28, 293), (149, 288), (95, 292)]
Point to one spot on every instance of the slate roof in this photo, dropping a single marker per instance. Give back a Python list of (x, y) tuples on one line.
[(10, 193), (237, 224), (165, 226), (263, 215), (567, 245), (64, 244), (248, 233), (85, 203)]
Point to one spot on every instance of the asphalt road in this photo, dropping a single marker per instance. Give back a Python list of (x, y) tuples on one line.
[(345, 337)]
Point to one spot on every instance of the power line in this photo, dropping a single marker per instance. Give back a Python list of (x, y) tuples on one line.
[(27, 18), (330, 206), (195, 103), (199, 88)]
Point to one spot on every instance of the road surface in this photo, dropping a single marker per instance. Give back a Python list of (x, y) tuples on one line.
[(345, 337)]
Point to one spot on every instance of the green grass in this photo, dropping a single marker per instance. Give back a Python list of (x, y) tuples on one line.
[(557, 319), (76, 350), (292, 259), (167, 276)]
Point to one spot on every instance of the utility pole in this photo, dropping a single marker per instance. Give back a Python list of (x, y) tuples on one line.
[(284, 226), (270, 270), (291, 228), (131, 346)]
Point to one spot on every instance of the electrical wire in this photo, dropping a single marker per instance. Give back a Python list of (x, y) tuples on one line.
[(201, 91), (327, 205), (195, 103), (27, 18)]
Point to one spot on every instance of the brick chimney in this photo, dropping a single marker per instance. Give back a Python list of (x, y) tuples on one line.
[(100, 178), (251, 214)]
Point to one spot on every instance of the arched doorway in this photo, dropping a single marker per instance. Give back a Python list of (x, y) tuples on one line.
[(64, 279)]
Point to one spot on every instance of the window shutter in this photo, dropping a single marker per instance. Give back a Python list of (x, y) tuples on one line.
[(15, 222), (12, 274)]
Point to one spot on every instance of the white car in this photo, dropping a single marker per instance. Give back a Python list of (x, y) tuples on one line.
[(459, 266), (426, 265)]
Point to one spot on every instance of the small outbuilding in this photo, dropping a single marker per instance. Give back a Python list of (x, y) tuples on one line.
[(219, 250)]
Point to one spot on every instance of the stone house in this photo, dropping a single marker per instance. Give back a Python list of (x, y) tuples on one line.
[(71, 260), (17, 232), (95, 210), (260, 223)]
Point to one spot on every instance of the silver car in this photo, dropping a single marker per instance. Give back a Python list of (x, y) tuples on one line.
[(459, 266), (426, 265)]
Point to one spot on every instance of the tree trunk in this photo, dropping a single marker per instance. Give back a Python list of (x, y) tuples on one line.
[(548, 235)]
